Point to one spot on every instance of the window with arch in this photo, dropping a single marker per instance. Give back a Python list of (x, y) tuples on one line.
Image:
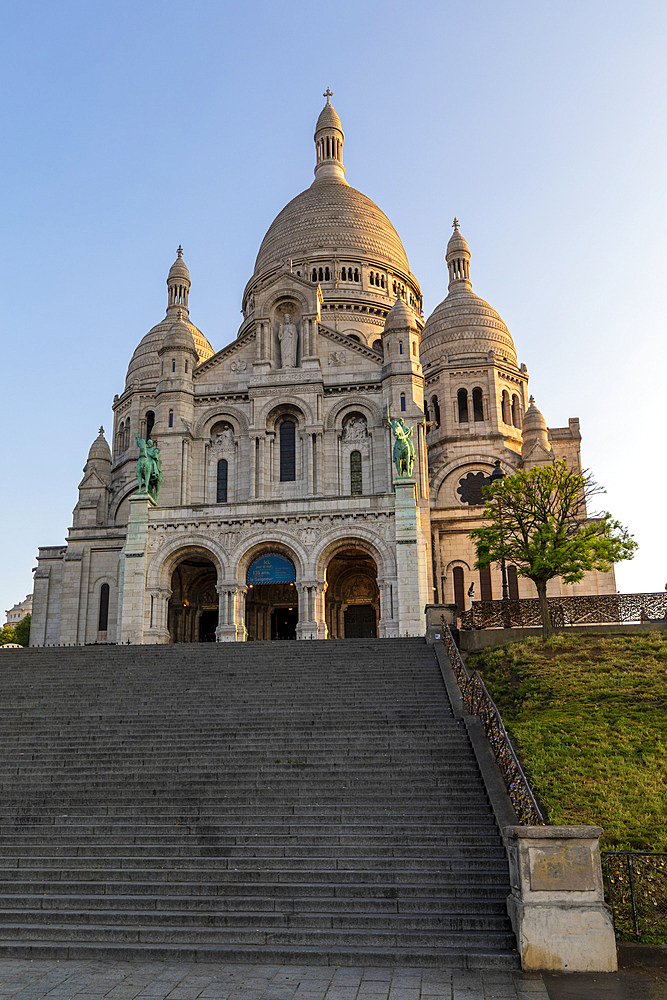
[(326, 273), (377, 346), (320, 274), (513, 583), (400, 347), (505, 407), (221, 481), (356, 483), (173, 364), (103, 616), (462, 400), (171, 418), (459, 589), (516, 411), (402, 402), (436, 410), (287, 451), (150, 422), (427, 415), (314, 274), (477, 404)]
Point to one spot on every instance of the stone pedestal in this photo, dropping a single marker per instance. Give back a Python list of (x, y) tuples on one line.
[(133, 612), (231, 613), (311, 611), (410, 559), (557, 904)]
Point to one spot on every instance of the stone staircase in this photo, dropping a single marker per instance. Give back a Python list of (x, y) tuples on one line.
[(308, 802)]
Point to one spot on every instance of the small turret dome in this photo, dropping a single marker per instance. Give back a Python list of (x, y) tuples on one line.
[(463, 324), (99, 449), (400, 317), (144, 364), (535, 447), (179, 337), (179, 268), (328, 118)]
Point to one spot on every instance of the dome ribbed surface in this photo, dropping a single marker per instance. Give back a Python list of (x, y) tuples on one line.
[(464, 324), (328, 217), (145, 363), (179, 336), (457, 243), (400, 317), (328, 119), (99, 450)]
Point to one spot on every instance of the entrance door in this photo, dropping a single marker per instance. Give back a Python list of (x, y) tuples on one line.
[(208, 622), (360, 622), (283, 623)]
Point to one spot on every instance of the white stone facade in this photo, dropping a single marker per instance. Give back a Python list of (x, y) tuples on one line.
[(278, 445)]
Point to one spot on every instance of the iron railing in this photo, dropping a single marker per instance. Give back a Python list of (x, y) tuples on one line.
[(479, 702), (594, 609), (636, 890)]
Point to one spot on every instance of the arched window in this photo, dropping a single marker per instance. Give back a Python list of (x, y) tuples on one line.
[(326, 273), (356, 274), (377, 346), (171, 418), (436, 410), (355, 474), (103, 617), (320, 274), (402, 402), (400, 347), (516, 411), (427, 415), (343, 275), (459, 589), (505, 406), (477, 404), (150, 421), (462, 399), (513, 583), (287, 451), (486, 594), (382, 281), (314, 275), (173, 364), (221, 490)]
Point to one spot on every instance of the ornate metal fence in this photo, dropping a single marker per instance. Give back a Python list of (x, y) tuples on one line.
[(479, 702), (636, 890), (600, 609)]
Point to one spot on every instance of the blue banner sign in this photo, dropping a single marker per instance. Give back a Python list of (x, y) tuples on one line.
[(271, 568)]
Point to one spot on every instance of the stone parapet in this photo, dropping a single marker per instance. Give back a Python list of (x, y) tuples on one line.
[(557, 904)]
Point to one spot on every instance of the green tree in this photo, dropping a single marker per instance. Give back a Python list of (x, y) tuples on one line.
[(22, 631), (7, 634), (538, 521)]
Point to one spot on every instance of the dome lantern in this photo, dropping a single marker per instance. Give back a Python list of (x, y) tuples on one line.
[(458, 260), (178, 285), (329, 137)]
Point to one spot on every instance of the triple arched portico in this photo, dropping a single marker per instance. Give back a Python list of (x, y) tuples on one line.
[(270, 590)]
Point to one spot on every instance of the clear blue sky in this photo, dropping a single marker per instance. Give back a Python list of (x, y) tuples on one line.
[(129, 128)]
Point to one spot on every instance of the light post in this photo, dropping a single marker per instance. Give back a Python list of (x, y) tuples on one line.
[(495, 477)]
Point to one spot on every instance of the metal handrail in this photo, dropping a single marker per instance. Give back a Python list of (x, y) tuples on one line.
[(636, 889), (479, 702)]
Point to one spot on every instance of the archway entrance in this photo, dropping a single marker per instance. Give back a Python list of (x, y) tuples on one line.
[(192, 615), (352, 598), (272, 605)]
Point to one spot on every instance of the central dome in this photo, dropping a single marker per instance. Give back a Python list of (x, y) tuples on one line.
[(331, 216)]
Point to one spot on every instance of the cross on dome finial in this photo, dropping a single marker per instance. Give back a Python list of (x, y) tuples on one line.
[(328, 93), (180, 250), (455, 224), (101, 431)]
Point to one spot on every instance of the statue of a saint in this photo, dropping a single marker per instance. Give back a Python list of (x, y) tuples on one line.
[(149, 467), (404, 450), (289, 337)]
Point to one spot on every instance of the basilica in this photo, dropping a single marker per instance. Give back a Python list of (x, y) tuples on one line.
[(280, 512)]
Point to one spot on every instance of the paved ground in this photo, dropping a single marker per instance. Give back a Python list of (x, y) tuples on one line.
[(51, 980), (39, 980)]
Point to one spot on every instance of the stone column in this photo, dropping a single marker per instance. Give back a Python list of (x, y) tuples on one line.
[(557, 904), (312, 624), (158, 631)]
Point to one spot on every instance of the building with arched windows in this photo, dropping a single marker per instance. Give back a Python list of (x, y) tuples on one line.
[(280, 513)]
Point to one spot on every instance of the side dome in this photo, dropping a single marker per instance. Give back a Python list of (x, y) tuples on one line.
[(145, 363), (331, 216), (463, 324)]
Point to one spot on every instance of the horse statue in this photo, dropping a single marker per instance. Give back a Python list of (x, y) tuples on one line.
[(149, 467), (404, 450)]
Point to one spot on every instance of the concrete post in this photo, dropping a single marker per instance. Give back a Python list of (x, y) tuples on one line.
[(557, 904)]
